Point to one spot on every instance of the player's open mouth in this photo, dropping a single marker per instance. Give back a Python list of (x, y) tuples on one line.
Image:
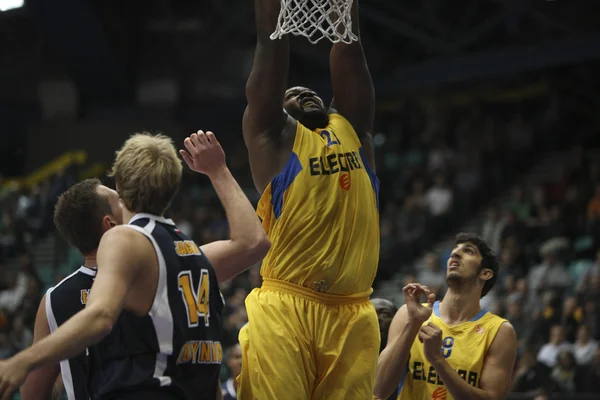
[(454, 264), (309, 103)]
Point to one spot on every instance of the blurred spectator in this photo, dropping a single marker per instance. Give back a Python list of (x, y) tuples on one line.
[(432, 274), (571, 318), (591, 376), (529, 375), (21, 336), (233, 361), (551, 274), (593, 208), (584, 347), (385, 313), (492, 228), (565, 373), (549, 352), (439, 197)]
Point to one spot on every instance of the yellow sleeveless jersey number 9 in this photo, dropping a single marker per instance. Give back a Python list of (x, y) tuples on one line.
[(195, 301)]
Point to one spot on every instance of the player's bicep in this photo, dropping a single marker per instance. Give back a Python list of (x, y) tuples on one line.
[(118, 260), (226, 258), (499, 363), (41, 328), (395, 329), (40, 382)]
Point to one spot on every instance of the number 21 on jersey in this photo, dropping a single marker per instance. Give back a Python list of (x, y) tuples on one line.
[(195, 301)]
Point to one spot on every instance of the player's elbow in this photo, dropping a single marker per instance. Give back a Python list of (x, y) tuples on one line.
[(257, 249), (103, 322), (381, 391)]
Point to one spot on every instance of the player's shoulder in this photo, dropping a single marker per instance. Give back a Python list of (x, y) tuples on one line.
[(81, 275), (72, 285)]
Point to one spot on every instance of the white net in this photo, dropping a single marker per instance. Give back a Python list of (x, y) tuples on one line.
[(316, 19)]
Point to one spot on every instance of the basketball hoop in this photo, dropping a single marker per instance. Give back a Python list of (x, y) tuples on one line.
[(315, 20)]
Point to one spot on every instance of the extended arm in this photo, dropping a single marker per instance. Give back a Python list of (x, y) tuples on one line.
[(267, 82), (40, 382), (353, 92), (119, 262), (248, 243), (496, 374), (393, 360)]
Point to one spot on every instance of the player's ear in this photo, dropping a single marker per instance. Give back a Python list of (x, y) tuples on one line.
[(486, 274), (108, 222)]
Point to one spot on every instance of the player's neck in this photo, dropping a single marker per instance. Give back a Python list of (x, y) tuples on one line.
[(458, 307), (127, 215), (89, 261)]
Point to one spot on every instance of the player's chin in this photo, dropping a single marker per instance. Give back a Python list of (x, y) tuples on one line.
[(453, 275)]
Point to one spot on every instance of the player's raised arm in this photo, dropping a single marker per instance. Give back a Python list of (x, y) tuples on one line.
[(40, 382), (405, 326), (248, 243), (267, 82), (353, 92)]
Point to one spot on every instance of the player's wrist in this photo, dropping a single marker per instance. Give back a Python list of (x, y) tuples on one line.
[(219, 173), (437, 360), (26, 359)]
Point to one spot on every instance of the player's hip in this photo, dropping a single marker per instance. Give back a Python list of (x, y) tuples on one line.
[(314, 291), (325, 281)]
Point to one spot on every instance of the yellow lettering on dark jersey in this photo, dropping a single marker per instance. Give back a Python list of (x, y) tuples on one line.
[(200, 352), (186, 248), (84, 295), (334, 163)]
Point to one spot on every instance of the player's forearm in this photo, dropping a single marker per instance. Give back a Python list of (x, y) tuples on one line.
[(457, 386), (244, 226), (266, 15), (393, 361), (70, 339)]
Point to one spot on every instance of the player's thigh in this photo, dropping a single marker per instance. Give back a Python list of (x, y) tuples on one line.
[(276, 353), (347, 353)]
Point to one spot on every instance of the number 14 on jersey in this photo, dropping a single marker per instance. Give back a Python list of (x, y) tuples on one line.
[(195, 301)]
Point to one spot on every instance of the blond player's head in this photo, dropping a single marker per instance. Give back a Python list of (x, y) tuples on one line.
[(147, 173)]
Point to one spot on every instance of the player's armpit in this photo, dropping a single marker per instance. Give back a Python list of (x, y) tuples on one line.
[(39, 383), (496, 374)]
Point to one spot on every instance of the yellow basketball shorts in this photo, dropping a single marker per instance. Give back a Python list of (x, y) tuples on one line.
[(300, 344)]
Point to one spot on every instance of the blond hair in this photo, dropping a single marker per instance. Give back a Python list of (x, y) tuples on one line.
[(147, 173)]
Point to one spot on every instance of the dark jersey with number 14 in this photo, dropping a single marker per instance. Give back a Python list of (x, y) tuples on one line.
[(176, 347)]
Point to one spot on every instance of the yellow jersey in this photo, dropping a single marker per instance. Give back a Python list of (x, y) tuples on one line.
[(321, 213), (464, 346)]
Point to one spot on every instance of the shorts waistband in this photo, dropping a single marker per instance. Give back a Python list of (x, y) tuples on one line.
[(319, 297)]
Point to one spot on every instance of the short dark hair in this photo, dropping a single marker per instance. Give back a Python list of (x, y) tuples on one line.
[(489, 259), (78, 215)]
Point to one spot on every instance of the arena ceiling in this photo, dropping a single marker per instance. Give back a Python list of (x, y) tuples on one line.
[(108, 46)]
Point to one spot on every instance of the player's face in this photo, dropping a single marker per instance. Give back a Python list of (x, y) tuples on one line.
[(305, 106), (113, 201), (464, 263), (385, 314), (234, 363)]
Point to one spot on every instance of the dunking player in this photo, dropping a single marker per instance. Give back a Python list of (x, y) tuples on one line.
[(450, 349), (312, 331), (151, 269), (82, 215)]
